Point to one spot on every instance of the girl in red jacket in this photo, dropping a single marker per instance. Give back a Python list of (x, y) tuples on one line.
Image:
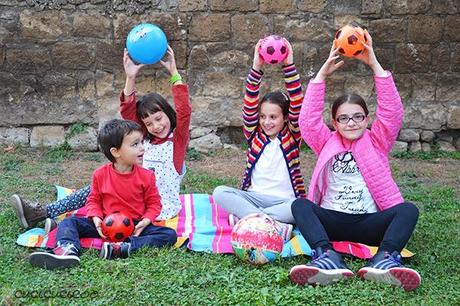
[(352, 195), (166, 133)]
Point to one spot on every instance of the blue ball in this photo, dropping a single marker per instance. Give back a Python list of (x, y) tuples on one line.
[(146, 44)]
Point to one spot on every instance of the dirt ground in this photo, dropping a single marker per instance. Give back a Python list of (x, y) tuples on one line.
[(230, 163)]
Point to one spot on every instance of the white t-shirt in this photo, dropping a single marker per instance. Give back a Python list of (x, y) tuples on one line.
[(159, 159), (346, 189), (270, 174)]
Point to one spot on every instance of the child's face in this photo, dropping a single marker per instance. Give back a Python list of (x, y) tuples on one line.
[(350, 129), (131, 151), (271, 119), (158, 124)]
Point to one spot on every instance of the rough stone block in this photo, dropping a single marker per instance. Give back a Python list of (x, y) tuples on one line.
[(249, 27), (234, 5), (440, 58), (229, 85), (452, 28), (453, 118), (104, 84), (86, 141), (446, 146), (408, 135), (233, 59), (215, 27), (425, 115), (314, 6), (198, 57), (455, 61), (197, 132), (192, 5), (92, 25), (33, 60), (399, 146), (108, 56), (276, 6), (206, 143), (412, 58), (426, 147), (427, 136), (388, 30), (45, 25), (47, 136), (69, 55), (448, 88), (425, 29), (397, 7), (350, 7), (9, 136), (424, 87), (314, 30), (445, 6), (371, 6), (415, 146)]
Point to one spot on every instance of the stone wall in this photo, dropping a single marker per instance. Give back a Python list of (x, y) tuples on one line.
[(61, 61)]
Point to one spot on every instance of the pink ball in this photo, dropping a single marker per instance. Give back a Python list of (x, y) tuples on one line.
[(273, 50)]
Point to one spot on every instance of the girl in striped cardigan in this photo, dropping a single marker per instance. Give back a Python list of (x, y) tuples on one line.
[(272, 179)]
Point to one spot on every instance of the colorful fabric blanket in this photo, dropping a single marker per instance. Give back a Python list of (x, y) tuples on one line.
[(202, 225)]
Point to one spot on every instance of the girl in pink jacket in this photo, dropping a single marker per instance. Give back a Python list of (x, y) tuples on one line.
[(352, 195)]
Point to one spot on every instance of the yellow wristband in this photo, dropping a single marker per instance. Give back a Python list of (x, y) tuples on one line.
[(175, 78)]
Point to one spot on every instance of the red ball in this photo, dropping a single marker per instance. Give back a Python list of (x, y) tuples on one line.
[(117, 227)]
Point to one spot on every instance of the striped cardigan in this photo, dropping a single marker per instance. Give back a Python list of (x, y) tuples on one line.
[(289, 136)]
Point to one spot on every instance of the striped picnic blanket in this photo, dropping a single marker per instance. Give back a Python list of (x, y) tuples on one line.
[(202, 226)]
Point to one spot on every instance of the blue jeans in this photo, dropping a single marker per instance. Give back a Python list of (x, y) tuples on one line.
[(70, 230)]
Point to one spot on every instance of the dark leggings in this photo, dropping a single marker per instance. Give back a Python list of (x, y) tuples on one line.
[(389, 229)]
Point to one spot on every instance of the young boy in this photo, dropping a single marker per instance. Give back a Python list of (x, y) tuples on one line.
[(121, 185)]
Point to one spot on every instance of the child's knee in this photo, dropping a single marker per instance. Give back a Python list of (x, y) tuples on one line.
[(409, 210), (299, 206), (219, 192), (171, 236)]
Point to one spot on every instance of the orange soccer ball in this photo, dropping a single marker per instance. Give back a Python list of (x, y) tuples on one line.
[(349, 39)]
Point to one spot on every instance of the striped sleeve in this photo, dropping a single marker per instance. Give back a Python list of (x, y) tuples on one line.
[(250, 110), (294, 89)]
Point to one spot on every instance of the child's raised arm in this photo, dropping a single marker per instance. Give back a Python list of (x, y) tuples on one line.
[(250, 110), (314, 130), (294, 89), (390, 111), (183, 108)]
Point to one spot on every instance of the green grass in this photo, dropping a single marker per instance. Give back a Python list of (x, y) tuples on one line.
[(179, 277)]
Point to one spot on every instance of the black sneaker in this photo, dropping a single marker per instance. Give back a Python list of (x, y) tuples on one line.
[(113, 250), (387, 268), (326, 267), (28, 213), (63, 256)]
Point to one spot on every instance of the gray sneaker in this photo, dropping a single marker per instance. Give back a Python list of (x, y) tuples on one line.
[(29, 214)]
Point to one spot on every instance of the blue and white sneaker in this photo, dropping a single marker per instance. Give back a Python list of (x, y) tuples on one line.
[(387, 268), (326, 267), (62, 256)]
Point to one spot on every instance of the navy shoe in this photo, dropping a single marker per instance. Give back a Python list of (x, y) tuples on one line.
[(387, 268), (63, 256), (326, 267)]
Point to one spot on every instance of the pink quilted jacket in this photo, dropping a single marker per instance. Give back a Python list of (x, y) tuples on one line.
[(370, 150)]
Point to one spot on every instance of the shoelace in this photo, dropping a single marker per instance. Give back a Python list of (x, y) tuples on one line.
[(396, 260)]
